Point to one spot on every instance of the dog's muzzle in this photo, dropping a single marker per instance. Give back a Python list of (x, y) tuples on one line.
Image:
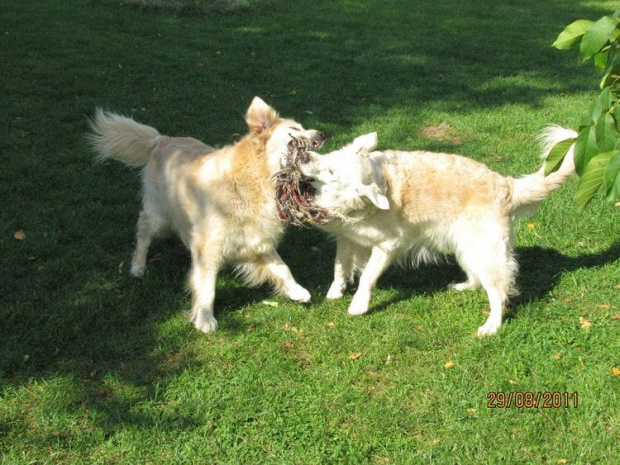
[(317, 139)]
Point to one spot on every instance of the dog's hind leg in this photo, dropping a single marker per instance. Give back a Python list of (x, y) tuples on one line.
[(472, 282), (206, 262), (489, 260), (270, 267), (149, 226)]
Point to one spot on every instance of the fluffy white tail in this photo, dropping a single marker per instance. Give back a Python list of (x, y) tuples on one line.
[(121, 138), (532, 189)]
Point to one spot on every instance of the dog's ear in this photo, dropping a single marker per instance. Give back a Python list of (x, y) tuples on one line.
[(260, 116), (365, 143), (374, 194)]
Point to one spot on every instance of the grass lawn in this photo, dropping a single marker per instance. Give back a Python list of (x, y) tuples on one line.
[(98, 367)]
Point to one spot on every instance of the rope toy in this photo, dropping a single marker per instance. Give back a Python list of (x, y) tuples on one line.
[(294, 194)]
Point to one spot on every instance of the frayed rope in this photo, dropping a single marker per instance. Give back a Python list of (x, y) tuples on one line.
[(294, 194)]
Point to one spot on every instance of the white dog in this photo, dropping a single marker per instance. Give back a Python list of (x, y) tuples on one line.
[(393, 205), (221, 203)]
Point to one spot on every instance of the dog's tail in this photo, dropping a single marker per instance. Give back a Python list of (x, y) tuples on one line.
[(121, 138), (532, 189)]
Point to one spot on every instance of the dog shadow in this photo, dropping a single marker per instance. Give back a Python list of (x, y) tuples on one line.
[(540, 270)]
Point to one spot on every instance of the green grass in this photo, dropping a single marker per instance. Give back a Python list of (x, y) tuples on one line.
[(97, 367)]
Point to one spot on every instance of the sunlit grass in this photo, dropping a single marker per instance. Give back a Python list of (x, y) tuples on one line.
[(97, 367)]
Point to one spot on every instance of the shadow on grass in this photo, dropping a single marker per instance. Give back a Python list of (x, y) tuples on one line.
[(540, 271)]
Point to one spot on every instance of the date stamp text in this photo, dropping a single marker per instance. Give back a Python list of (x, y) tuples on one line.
[(519, 399)]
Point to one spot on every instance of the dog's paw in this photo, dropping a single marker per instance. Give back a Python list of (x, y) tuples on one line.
[(462, 286), (137, 271), (359, 304), (335, 292), (299, 294), (206, 323), (488, 328)]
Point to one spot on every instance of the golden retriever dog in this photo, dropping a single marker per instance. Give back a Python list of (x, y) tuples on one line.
[(395, 205), (221, 203)]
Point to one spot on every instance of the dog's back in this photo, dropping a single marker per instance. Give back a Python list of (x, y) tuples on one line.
[(431, 187)]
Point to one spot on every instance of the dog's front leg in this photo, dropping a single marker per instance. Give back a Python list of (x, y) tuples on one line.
[(203, 276), (379, 260)]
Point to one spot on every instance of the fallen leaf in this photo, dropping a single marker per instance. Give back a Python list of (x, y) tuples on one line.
[(355, 356), (389, 360), (251, 328), (604, 307), (558, 356), (271, 303), (562, 461), (584, 323), (331, 324), (449, 364), (615, 371), (472, 410), (436, 442), (288, 345), (531, 226), (512, 381), (616, 317), (617, 286), (121, 265), (19, 235)]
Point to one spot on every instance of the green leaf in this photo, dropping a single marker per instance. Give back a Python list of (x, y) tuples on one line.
[(611, 178), (586, 118), (605, 99), (600, 59), (595, 38), (599, 105), (606, 134), (557, 154), (592, 179), (611, 77), (585, 148), (571, 34)]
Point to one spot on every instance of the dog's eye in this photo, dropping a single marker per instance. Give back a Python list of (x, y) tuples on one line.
[(330, 171)]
